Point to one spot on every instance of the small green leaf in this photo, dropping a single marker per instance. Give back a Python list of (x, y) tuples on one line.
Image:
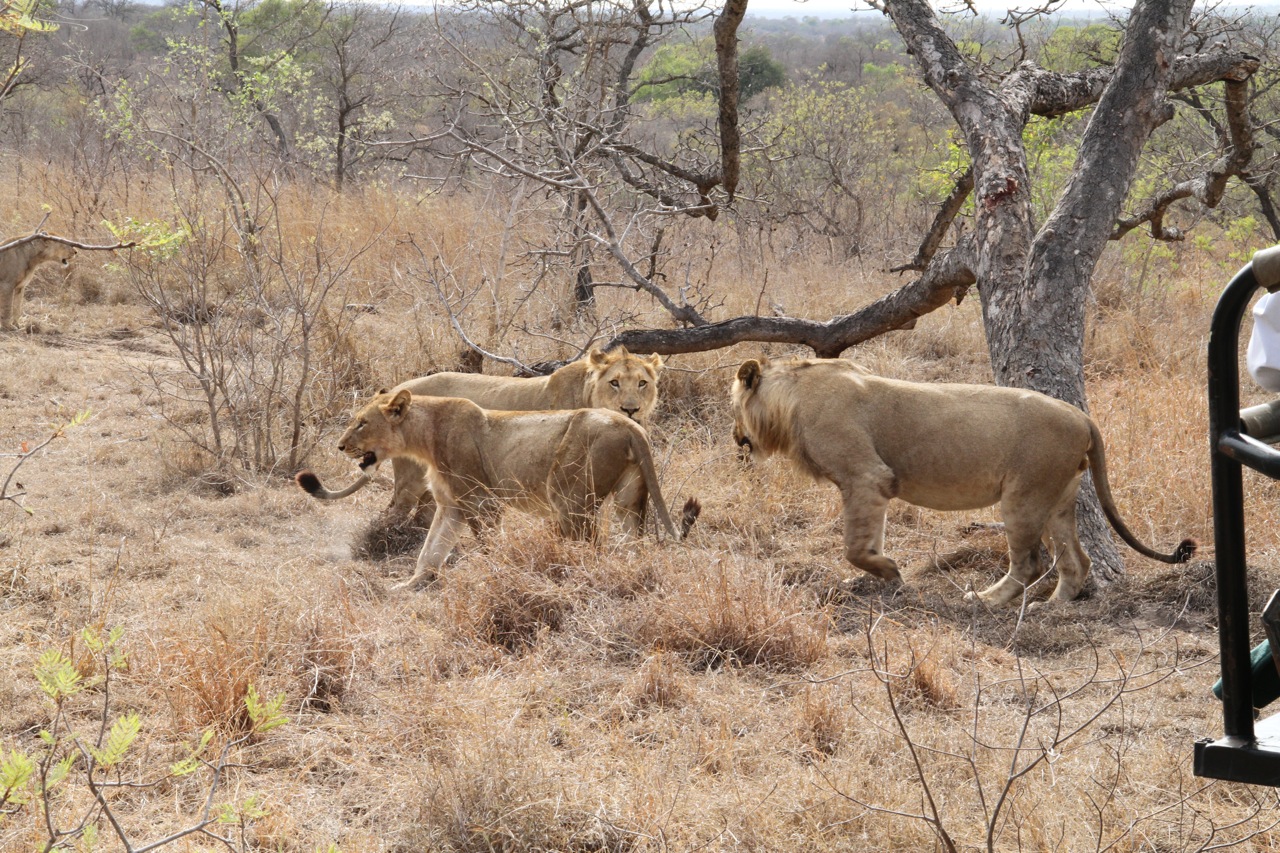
[(265, 715), (122, 735), (58, 677), (15, 771)]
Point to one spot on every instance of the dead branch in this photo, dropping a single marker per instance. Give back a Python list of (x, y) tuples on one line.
[(948, 277), (941, 224), (66, 241)]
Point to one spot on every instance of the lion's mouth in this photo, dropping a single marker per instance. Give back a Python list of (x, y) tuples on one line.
[(368, 461)]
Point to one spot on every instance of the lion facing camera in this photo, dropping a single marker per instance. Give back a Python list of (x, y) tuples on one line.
[(941, 446)]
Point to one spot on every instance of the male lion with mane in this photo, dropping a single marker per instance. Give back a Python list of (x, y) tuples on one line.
[(18, 261), (558, 463), (941, 446)]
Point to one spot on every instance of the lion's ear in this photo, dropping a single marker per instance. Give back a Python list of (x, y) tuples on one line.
[(598, 357), (398, 408), (749, 374), (655, 361)]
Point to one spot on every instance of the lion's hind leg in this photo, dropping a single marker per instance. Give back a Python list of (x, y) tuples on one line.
[(576, 513), (630, 501), (1062, 537), (1024, 568), (411, 491), (1027, 514)]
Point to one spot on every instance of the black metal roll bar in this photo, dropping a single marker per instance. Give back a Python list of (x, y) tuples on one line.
[(1247, 751)]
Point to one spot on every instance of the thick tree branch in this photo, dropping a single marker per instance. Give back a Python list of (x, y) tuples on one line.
[(1053, 94), (948, 277)]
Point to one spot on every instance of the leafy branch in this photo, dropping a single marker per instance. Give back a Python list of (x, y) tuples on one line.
[(36, 782)]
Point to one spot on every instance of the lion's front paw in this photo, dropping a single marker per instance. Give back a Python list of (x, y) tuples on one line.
[(417, 581)]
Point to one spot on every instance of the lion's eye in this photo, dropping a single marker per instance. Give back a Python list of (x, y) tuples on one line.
[(643, 384), (615, 384)]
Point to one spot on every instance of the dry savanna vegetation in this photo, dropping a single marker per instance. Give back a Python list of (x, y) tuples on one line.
[(731, 692), (195, 655)]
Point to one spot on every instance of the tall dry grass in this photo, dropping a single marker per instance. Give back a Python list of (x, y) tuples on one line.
[(728, 693)]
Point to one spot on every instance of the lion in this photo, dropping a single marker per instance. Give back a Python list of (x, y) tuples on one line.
[(941, 446), (559, 463), (616, 380), (18, 261)]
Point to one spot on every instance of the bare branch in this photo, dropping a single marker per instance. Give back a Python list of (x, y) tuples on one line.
[(1237, 143), (948, 277), (941, 224)]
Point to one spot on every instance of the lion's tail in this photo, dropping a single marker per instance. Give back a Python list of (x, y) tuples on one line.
[(1098, 464), (692, 508), (311, 484)]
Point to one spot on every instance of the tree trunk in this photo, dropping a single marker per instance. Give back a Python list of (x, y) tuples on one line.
[(1034, 289), (1036, 334)]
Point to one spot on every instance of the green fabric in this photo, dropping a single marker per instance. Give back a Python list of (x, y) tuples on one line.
[(1266, 680)]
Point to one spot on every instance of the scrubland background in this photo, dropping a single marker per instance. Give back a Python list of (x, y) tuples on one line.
[(732, 692)]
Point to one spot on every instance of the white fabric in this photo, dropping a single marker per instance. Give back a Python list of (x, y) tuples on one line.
[(1263, 357)]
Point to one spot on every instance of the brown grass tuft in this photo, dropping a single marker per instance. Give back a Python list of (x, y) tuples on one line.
[(819, 723), (657, 683), (206, 674), (931, 685), (507, 799), (504, 606), (332, 651), (719, 619)]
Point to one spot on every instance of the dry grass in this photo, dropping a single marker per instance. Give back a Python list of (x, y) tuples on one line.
[(727, 693)]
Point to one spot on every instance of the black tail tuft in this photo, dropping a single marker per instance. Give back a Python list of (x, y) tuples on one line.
[(309, 482), (688, 515), (1185, 550)]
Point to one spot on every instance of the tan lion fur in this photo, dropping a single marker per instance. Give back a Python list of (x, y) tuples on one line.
[(616, 380), (557, 463), (18, 262), (942, 446)]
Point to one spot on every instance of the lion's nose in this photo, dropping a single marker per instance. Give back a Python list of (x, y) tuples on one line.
[(342, 447), (631, 413)]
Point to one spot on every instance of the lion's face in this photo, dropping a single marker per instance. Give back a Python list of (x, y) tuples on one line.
[(624, 382), (753, 435), (59, 252), (373, 435)]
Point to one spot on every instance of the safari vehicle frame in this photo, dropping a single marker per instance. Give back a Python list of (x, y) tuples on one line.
[(1249, 750)]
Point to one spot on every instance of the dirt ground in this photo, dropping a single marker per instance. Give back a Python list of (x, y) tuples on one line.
[(736, 692)]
